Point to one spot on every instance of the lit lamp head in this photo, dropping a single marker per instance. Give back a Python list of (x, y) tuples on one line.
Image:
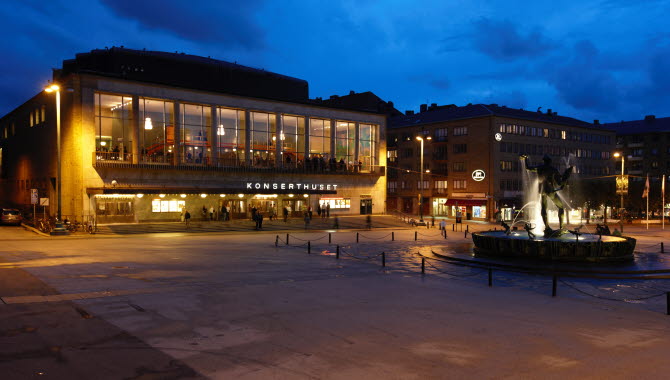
[(52, 88), (617, 154)]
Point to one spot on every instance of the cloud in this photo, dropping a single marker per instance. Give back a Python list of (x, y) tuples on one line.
[(228, 23), (582, 83), (512, 99), (501, 40)]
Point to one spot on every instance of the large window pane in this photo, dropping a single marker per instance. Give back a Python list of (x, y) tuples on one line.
[(345, 134), (263, 137), (196, 133), (156, 130), (367, 146), (293, 141), (319, 138), (113, 115), (230, 136)]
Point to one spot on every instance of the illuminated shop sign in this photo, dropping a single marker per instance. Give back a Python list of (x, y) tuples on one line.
[(290, 186), (478, 175)]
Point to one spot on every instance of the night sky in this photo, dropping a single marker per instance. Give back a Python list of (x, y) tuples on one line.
[(606, 60)]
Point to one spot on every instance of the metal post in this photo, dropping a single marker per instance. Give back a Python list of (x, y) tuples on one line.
[(383, 259), (330, 239), (337, 253), (490, 277), (415, 235), (553, 286), (465, 234), (667, 302), (421, 184), (276, 240), (662, 248), (467, 228), (58, 182), (423, 265), (453, 227), (356, 237), (392, 236), (286, 239), (309, 247)]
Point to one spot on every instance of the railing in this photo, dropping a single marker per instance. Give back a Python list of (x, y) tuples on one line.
[(118, 160)]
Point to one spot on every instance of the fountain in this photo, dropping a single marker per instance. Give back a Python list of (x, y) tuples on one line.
[(545, 183)]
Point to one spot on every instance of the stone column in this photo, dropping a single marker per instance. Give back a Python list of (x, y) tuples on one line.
[(176, 149), (135, 128), (307, 122), (247, 137), (214, 137), (279, 144), (333, 125)]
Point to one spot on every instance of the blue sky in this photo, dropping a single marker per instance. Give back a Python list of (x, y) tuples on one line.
[(606, 60)]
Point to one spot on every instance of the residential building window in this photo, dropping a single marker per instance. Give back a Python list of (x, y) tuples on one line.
[(460, 148), (44, 113), (319, 138), (156, 130), (392, 155), (367, 146), (113, 116), (407, 153), (439, 153), (440, 187), (654, 164), (426, 185), (460, 184), (196, 129), (263, 138), (345, 138), (637, 152), (460, 131), (459, 166), (230, 137), (441, 134), (505, 166), (392, 186)]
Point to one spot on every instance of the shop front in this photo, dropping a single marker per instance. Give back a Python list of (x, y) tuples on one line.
[(468, 208)]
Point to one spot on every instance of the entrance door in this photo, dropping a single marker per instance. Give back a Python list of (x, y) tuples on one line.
[(366, 206)]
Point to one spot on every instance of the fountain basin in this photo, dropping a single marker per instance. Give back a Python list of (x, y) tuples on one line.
[(588, 248)]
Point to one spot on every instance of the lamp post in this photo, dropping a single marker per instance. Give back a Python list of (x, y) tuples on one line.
[(421, 179), (617, 154), (56, 89)]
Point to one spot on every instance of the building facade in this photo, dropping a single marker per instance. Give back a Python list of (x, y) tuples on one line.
[(145, 135), (471, 162)]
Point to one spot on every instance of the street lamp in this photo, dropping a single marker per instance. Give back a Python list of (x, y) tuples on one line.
[(421, 179), (54, 88), (621, 190)]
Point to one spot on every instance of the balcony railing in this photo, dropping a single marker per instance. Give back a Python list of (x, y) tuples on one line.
[(125, 160)]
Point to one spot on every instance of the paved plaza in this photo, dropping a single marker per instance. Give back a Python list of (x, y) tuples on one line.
[(233, 304)]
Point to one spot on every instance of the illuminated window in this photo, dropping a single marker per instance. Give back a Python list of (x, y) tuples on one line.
[(459, 166), (113, 116), (156, 130), (319, 137), (230, 137), (263, 138), (462, 131), (460, 184), (293, 142), (345, 138), (196, 129), (460, 148), (367, 146)]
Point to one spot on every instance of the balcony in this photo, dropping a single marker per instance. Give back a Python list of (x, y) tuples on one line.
[(125, 160)]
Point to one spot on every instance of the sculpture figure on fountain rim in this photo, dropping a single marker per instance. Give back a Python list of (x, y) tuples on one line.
[(551, 181)]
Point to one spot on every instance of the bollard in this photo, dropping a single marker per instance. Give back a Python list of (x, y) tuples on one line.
[(423, 265), (467, 228), (453, 227), (427, 225), (392, 236), (356, 237), (277, 241), (337, 253), (465, 234), (286, 239), (383, 259), (330, 239), (309, 247), (662, 248), (553, 286), (667, 299), (415, 235), (490, 277)]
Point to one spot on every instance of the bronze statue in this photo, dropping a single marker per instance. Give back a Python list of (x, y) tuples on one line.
[(550, 182)]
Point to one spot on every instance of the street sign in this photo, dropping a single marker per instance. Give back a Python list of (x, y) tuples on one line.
[(44, 201), (33, 196)]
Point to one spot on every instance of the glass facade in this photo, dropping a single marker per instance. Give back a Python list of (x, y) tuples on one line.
[(293, 141), (113, 116), (196, 129), (201, 142), (156, 130), (230, 137)]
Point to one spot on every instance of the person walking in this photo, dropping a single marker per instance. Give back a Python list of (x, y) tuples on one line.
[(211, 213), (204, 212), (285, 211), (318, 209), (259, 220), (187, 219), (183, 212), (327, 210)]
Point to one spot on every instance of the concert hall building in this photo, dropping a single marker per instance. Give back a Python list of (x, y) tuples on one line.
[(145, 134)]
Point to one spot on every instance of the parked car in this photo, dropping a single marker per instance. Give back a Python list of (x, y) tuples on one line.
[(11, 216)]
